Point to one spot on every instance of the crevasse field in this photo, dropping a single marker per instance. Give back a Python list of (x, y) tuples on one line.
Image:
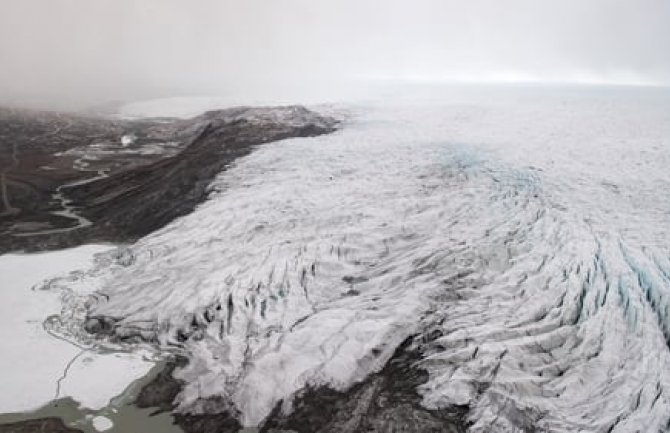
[(520, 237)]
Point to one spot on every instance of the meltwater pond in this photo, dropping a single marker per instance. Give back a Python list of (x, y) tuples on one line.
[(519, 237)]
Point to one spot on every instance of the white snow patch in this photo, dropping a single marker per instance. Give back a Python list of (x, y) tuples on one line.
[(102, 423), (128, 139)]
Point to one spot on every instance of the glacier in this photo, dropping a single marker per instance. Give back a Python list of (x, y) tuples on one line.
[(519, 238)]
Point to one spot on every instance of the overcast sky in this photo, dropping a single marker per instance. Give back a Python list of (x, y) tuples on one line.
[(134, 48)]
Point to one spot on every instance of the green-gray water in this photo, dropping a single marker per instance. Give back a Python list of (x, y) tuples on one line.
[(126, 417)]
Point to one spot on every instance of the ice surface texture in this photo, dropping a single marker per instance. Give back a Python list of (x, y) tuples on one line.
[(524, 242)]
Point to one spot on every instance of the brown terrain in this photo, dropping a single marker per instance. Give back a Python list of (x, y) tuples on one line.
[(69, 179)]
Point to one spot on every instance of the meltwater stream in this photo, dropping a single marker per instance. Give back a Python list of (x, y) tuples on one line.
[(523, 243)]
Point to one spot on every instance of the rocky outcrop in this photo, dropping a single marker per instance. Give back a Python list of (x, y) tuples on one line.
[(386, 401)]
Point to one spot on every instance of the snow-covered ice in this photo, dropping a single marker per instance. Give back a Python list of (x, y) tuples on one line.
[(102, 423), (526, 231), (93, 379), (37, 367)]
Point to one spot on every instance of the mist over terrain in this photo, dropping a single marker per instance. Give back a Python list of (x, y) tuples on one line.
[(78, 53)]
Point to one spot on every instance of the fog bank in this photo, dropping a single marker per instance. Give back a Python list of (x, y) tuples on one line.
[(96, 51)]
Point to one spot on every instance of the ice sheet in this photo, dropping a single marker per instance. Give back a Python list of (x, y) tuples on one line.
[(525, 231)]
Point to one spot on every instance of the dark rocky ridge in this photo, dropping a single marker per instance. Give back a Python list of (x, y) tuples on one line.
[(161, 392), (44, 425), (137, 187), (385, 402), (163, 389)]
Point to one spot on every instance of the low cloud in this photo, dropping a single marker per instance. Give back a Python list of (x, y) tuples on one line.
[(100, 50)]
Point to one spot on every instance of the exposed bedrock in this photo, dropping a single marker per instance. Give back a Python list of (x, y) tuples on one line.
[(386, 401)]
